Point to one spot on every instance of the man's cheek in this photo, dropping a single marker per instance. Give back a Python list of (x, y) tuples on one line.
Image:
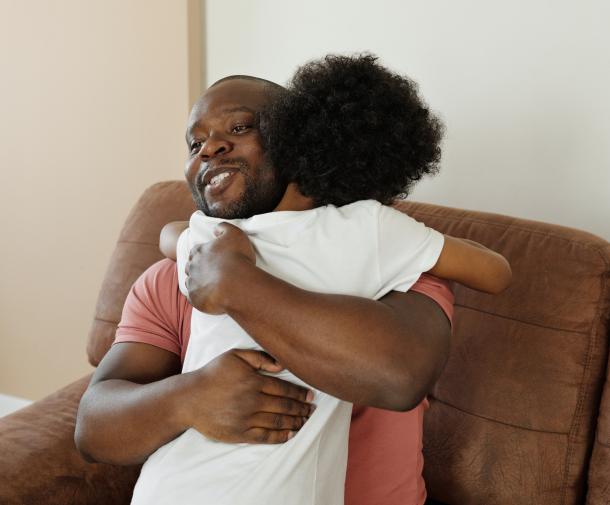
[(236, 188)]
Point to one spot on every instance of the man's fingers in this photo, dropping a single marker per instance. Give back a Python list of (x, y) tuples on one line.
[(285, 406), (259, 360), (278, 387), (277, 421), (263, 436)]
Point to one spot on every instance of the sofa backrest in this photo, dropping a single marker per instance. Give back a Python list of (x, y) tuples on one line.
[(137, 248), (513, 417)]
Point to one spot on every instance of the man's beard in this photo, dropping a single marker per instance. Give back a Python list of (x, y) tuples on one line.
[(262, 194)]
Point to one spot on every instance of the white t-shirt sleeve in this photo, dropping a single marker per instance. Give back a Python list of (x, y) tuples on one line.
[(406, 248), (182, 256)]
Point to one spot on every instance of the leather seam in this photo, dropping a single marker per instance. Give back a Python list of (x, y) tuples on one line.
[(565, 433), (584, 393), (587, 332)]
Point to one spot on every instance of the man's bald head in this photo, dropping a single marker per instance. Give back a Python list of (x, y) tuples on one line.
[(254, 92), (263, 82)]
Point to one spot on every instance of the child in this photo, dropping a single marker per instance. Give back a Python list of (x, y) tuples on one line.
[(349, 136)]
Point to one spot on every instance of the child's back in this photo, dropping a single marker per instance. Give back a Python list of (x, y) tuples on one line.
[(363, 249)]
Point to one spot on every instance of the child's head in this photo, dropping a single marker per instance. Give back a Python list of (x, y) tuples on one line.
[(348, 129)]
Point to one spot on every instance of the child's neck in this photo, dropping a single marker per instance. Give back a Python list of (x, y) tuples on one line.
[(294, 200)]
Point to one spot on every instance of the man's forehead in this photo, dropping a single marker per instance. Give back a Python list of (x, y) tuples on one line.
[(234, 95)]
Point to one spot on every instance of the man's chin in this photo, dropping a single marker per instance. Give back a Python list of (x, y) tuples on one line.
[(223, 210), (233, 209), (240, 201)]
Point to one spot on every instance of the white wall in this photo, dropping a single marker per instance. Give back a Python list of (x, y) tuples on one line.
[(94, 97), (521, 85)]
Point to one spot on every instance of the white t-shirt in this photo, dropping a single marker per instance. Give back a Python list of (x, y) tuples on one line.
[(364, 249)]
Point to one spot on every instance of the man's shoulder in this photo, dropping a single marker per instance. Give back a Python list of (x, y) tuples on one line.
[(155, 312), (158, 287), (162, 272)]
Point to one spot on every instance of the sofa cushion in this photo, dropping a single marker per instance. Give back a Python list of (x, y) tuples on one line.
[(39, 463), (513, 416)]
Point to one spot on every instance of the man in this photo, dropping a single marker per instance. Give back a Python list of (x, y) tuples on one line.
[(383, 353)]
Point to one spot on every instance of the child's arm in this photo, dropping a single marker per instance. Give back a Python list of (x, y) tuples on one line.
[(473, 265), (169, 238)]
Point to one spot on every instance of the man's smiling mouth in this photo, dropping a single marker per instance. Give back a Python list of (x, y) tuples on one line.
[(218, 178), (216, 174), (216, 183)]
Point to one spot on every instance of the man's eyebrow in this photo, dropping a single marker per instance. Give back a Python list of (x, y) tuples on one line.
[(228, 110)]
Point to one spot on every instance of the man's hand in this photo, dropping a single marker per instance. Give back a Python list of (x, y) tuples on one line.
[(236, 403), (138, 401), (210, 266)]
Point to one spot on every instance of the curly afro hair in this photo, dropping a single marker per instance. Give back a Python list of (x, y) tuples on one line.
[(348, 129)]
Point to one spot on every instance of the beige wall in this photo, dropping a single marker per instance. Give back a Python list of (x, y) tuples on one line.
[(94, 98), (522, 86)]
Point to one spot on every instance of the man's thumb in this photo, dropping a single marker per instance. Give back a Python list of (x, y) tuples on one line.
[(259, 360), (224, 227)]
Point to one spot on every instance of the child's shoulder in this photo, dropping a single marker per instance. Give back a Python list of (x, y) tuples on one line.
[(358, 207), (372, 208), (359, 211)]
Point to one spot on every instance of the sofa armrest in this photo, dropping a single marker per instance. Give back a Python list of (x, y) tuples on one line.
[(39, 463)]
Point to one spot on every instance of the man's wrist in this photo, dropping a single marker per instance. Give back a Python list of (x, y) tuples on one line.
[(180, 395), (237, 280)]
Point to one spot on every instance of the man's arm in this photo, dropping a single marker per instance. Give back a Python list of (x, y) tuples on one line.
[(138, 400), (384, 353)]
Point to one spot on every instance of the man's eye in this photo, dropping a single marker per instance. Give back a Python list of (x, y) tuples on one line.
[(195, 147), (241, 128)]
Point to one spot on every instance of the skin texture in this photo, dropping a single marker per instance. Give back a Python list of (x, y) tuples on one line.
[(222, 137), (324, 339), (336, 328), (473, 265)]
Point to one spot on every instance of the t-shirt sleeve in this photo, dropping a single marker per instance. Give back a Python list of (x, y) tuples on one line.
[(155, 312), (406, 248), (437, 289)]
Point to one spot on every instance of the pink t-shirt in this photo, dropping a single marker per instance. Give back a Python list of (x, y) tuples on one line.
[(385, 458)]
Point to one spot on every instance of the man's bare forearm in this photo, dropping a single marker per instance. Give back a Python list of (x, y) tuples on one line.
[(384, 353), (121, 422)]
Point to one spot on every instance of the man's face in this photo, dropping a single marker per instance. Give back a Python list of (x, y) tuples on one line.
[(226, 169)]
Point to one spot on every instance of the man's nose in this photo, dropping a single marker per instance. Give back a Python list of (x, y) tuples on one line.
[(215, 145)]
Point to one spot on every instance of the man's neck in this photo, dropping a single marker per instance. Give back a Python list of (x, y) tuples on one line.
[(294, 200)]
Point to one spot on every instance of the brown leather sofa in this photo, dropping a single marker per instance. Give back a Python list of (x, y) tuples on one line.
[(521, 414)]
